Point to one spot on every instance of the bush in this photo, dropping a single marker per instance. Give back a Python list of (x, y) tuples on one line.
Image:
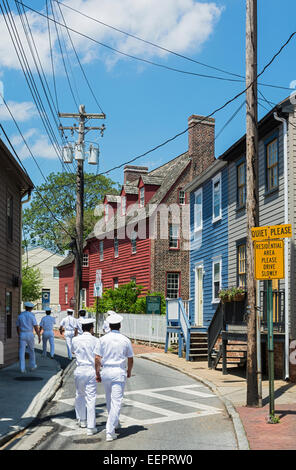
[(125, 299)]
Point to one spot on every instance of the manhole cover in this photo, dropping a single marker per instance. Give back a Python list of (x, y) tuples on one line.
[(28, 379)]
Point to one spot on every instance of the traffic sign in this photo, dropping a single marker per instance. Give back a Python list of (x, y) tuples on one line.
[(269, 259), (271, 232)]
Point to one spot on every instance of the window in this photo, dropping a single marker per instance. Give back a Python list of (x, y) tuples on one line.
[(106, 212), (85, 260), (173, 285), (173, 236), (241, 265), (216, 198), (9, 213), (272, 165), (181, 197), (123, 205), (241, 185), (83, 298), (116, 247), (66, 293), (142, 196), (55, 273), (198, 210), (8, 309), (134, 242), (115, 282), (216, 279), (101, 250)]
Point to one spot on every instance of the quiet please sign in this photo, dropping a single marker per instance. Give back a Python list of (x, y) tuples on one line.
[(271, 231)]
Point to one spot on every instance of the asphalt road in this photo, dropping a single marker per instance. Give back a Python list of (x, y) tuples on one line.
[(162, 410)]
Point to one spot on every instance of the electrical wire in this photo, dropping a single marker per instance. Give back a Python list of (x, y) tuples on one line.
[(145, 60)]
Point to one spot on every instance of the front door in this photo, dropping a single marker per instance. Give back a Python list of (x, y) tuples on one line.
[(199, 295)]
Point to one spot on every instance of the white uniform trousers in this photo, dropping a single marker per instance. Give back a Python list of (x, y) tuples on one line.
[(27, 339), (86, 391), (68, 338), (113, 380), (48, 337)]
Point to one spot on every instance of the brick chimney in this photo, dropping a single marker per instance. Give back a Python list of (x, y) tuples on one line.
[(133, 172), (201, 143)]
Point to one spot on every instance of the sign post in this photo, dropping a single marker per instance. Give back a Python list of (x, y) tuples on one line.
[(269, 264), (98, 293)]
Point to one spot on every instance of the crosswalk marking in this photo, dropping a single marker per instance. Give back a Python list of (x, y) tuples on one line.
[(164, 414)]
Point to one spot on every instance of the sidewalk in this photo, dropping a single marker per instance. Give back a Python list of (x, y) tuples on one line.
[(232, 388), (23, 395)]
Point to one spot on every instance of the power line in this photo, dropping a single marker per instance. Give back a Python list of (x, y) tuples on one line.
[(146, 60), (51, 58)]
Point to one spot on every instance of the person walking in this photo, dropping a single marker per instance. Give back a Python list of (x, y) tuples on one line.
[(86, 349), (115, 350), (46, 325), (25, 324), (106, 326), (81, 314), (70, 328)]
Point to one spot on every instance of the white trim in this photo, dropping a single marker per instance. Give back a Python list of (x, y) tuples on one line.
[(197, 229), (216, 179), (216, 260), (198, 266)]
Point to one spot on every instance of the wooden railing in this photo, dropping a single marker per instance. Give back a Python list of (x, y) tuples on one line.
[(214, 331)]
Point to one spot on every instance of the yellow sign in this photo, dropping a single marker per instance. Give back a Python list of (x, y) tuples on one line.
[(269, 259), (271, 231)]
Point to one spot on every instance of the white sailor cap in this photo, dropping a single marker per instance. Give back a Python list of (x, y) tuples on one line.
[(113, 318), (87, 321), (29, 304), (69, 310)]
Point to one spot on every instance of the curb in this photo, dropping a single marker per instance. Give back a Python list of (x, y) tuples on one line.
[(39, 401), (239, 430)]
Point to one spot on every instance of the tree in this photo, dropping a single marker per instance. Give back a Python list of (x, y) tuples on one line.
[(31, 284), (43, 229)]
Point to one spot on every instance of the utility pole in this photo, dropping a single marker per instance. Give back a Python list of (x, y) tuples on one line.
[(252, 193), (79, 156)]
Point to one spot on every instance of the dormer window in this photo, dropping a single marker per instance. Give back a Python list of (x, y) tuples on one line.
[(123, 205), (142, 196), (106, 212)]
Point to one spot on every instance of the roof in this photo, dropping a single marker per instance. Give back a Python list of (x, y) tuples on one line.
[(25, 181), (130, 189), (68, 260), (152, 180), (112, 198)]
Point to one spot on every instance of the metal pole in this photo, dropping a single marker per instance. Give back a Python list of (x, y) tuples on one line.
[(270, 349)]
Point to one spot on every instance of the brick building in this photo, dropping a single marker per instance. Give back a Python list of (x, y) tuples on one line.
[(15, 184), (144, 232)]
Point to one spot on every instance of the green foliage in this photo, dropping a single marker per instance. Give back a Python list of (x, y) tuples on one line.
[(31, 284), (229, 294), (125, 299), (40, 227)]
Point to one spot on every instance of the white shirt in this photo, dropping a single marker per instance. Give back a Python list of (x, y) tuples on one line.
[(80, 330), (26, 322), (47, 323), (69, 323), (85, 347), (114, 349)]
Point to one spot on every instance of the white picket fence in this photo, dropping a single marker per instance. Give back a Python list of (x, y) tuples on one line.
[(142, 327)]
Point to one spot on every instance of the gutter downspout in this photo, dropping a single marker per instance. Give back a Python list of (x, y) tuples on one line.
[(286, 221)]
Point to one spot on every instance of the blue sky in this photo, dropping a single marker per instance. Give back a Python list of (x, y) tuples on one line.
[(146, 105)]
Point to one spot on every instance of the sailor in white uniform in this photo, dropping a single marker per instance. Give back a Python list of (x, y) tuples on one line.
[(106, 326), (115, 350), (81, 314), (25, 324), (46, 325), (70, 327), (86, 349)]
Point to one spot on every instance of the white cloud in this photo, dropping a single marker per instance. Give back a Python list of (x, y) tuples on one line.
[(38, 143), (21, 111), (180, 25)]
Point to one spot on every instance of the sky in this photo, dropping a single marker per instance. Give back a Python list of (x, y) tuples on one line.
[(145, 105)]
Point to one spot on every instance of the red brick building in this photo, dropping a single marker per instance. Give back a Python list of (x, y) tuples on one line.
[(144, 232)]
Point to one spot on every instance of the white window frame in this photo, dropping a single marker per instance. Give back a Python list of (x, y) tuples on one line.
[(55, 270), (216, 260), (85, 260), (101, 250), (142, 196), (123, 205), (116, 247), (173, 237), (66, 294), (134, 243), (198, 228), (183, 196), (106, 212), (216, 179), (177, 274)]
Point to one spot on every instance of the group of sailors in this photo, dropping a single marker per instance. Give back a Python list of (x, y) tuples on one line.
[(107, 360)]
